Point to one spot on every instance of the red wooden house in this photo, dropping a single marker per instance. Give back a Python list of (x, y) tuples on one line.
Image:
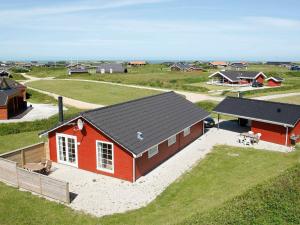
[(12, 98), (130, 139), (237, 77), (277, 122), (274, 81)]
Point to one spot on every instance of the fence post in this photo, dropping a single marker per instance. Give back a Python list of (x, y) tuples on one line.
[(22, 157)]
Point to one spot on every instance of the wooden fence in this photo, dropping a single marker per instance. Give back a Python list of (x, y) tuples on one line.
[(31, 154), (11, 174)]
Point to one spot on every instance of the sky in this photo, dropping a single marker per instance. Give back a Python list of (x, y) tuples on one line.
[(150, 30)]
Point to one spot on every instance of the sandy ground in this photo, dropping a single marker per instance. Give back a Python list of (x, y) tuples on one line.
[(100, 195), (37, 112)]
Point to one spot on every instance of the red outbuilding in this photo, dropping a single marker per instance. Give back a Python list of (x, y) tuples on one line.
[(127, 140), (274, 81), (276, 122)]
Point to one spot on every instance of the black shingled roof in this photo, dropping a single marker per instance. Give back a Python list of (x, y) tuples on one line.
[(236, 75), (8, 88), (158, 117), (272, 112)]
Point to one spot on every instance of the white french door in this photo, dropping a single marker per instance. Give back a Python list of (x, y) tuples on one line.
[(67, 149)]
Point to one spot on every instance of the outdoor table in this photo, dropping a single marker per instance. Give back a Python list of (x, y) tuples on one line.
[(33, 167), (247, 135)]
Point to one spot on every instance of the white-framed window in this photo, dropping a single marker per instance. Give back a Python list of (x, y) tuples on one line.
[(152, 151), (105, 156), (172, 140), (186, 131)]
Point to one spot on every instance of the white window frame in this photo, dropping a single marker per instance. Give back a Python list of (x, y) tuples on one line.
[(172, 140), (152, 151), (57, 149), (112, 157), (186, 131)]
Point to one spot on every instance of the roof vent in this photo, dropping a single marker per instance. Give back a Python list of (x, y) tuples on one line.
[(279, 110), (140, 136)]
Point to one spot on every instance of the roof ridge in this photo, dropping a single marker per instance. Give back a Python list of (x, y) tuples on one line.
[(266, 101), (123, 103)]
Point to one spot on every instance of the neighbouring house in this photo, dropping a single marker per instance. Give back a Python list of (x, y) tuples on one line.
[(77, 70), (277, 122), (4, 73), (127, 140), (231, 77), (239, 66), (111, 68), (282, 64), (295, 68), (12, 98), (218, 64), (185, 67), (137, 63), (274, 81)]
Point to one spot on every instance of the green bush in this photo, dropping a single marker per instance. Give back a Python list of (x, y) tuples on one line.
[(19, 70)]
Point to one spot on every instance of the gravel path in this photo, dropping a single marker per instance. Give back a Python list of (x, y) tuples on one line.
[(269, 97), (70, 101), (37, 112)]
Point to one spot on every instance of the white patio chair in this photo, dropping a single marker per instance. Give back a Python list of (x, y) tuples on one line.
[(247, 141), (258, 136), (250, 132), (241, 139)]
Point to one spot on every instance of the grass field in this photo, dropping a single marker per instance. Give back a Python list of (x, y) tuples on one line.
[(220, 177), (48, 72), (291, 99), (15, 141), (273, 202), (37, 97), (104, 94)]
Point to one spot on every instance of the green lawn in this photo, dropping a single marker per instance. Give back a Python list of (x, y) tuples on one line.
[(267, 68), (48, 72), (37, 97), (15, 141), (273, 202), (104, 94), (291, 99), (219, 178)]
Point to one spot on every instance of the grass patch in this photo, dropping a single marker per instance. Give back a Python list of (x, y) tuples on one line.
[(207, 105), (16, 128), (15, 141), (39, 98), (274, 202), (48, 72), (104, 94), (217, 179), (18, 76)]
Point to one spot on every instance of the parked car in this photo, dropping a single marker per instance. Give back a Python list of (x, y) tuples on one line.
[(209, 122), (257, 84)]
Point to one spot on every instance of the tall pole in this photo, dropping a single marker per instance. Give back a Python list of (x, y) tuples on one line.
[(218, 121)]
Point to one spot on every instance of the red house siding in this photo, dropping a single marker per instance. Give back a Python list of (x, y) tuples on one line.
[(260, 79), (145, 165), (3, 113), (274, 133), (273, 83), (123, 160)]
